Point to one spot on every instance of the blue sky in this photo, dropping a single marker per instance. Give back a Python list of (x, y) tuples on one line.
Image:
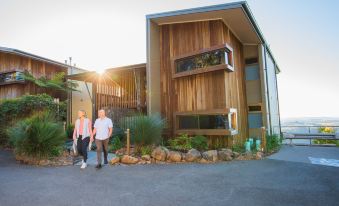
[(303, 35)]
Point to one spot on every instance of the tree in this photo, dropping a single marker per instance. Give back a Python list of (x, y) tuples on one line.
[(57, 82)]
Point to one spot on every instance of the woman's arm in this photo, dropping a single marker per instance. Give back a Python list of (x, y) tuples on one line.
[(75, 133), (90, 130)]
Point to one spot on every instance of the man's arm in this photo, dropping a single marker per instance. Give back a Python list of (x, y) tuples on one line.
[(110, 131)]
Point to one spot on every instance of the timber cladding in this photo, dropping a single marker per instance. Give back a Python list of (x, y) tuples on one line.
[(218, 89), (12, 62)]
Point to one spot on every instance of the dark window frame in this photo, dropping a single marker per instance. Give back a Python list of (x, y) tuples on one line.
[(228, 66), (232, 122)]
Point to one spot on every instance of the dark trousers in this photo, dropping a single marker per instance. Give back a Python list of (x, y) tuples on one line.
[(82, 146)]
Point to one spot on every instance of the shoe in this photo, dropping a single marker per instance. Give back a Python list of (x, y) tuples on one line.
[(84, 165), (82, 162), (98, 166), (105, 162)]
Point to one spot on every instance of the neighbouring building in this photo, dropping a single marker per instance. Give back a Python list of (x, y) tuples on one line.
[(13, 63), (209, 71)]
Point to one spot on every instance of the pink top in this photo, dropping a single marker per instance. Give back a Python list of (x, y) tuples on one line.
[(81, 127)]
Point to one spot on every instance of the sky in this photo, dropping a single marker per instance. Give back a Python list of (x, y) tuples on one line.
[(101, 34)]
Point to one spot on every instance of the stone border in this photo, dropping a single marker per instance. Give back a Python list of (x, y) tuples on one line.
[(161, 155)]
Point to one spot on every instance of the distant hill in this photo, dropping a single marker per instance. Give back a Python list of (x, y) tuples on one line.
[(286, 124)]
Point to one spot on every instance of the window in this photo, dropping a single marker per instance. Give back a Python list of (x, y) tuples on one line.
[(252, 72), (254, 108), (255, 120), (218, 122), (251, 60), (11, 77), (215, 58)]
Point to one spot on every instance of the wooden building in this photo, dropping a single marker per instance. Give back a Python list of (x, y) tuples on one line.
[(121, 91), (209, 71), (14, 62)]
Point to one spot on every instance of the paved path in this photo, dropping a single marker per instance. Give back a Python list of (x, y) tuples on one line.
[(92, 158), (304, 153), (265, 182)]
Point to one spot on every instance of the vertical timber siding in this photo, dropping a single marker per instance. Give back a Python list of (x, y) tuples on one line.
[(10, 62), (212, 90)]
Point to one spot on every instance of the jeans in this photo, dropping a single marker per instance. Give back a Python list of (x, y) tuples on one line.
[(102, 145), (82, 146)]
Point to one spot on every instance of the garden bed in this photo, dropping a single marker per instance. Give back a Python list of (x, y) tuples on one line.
[(162, 155)]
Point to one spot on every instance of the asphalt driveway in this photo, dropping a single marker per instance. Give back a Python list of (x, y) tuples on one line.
[(265, 182)]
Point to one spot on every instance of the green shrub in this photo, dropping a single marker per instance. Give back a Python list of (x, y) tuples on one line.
[(39, 136), (181, 143), (69, 131), (12, 110), (145, 130), (240, 148), (272, 142), (115, 144), (146, 150), (199, 142), (328, 130)]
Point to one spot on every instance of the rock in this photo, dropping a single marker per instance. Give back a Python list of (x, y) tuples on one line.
[(146, 157), (203, 161), (210, 155), (259, 155), (225, 155), (235, 154), (174, 156), (227, 150), (115, 160), (142, 162), (126, 159), (160, 153), (192, 155)]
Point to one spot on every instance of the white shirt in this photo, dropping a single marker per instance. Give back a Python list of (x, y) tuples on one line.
[(102, 128)]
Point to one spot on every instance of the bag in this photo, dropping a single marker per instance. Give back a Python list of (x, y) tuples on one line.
[(75, 150)]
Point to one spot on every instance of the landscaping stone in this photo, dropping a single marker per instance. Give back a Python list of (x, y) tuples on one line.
[(227, 150), (203, 161), (235, 154), (115, 160), (210, 155), (259, 155), (225, 155), (174, 156), (160, 153), (146, 157), (126, 159), (192, 155)]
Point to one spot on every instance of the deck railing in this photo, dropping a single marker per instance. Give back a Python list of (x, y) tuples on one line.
[(305, 134)]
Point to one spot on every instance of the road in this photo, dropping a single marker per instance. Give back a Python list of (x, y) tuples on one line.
[(262, 182)]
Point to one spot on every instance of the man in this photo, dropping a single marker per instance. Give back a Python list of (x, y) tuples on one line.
[(103, 128)]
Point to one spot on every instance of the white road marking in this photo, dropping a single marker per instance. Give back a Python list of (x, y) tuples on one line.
[(323, 161)]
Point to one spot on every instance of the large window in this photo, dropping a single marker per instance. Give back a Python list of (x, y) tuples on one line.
[(216, 122), (215, 58), (11, 77)]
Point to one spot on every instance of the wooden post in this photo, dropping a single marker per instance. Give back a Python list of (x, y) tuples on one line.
[(263, 139), (128, 141)]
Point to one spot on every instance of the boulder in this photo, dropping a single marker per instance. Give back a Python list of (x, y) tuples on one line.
[(259, 155), (126, 159), (203, 161), (227, 150), (160, 153), (225, 155), (210, 155), (235, 154), (192, 155), (174, 156), (146, 157), (115, 160)]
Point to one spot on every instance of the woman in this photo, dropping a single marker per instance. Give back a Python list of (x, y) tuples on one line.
[(82, 135)]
